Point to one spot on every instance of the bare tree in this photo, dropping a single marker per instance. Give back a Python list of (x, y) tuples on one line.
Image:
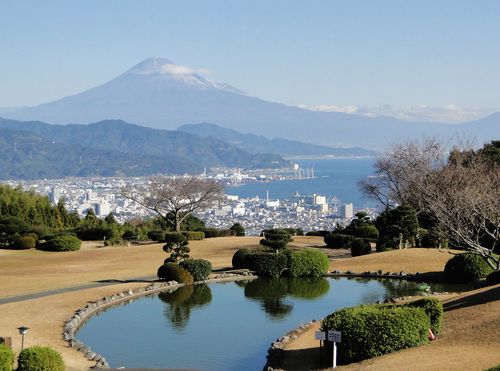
[(461, 191), (179, 196)]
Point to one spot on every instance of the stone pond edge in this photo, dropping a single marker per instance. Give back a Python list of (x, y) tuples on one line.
[(81, 315), (275, 351)]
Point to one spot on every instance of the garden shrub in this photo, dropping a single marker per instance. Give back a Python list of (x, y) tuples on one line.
[(214, 232), (307, 263), (240, 259), (177, 245), (275, 239), (238, 229), (211, 232), (23, 243), (493, 278), (130, 235), (194, 236), (200, 269), (317, 233), (268, 264), (40, 358), (6, 358), (61, 243), (338, 240), (466, 267), (173, 272), (433, 308), (360, 247), (387, 244), (370, 331), (156, 235)]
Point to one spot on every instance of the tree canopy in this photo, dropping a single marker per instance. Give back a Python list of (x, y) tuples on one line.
[(177, 196), (460, 190)]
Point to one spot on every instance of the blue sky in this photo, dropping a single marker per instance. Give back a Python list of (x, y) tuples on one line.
[(340, 53)]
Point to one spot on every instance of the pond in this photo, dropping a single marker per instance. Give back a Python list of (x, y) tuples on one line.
[(225, 326)]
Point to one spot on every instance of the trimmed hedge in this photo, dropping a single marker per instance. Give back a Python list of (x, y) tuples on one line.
[(194, 236), (6, 358), (61, 243), (360, 247), (493, 278), (433, 308), (200, 269), (370, 331), (307, 263), (157, 235), (268, 264), (338, 240), (214, 232), (317, 233), (466, 267), (24, 243), (173, 272), (40, 358), (240, 259)]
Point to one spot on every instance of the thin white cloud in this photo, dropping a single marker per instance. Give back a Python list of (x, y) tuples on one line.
[(177, 69), (450, 113)]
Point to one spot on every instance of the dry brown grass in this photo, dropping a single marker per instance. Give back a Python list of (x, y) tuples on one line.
[(33, 271), (408, 260)]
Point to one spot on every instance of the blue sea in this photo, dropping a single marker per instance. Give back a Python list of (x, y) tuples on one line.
[(333, 177)]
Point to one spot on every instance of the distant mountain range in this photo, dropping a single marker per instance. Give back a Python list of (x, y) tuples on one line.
[(259, 144), (32, 150), (155, 93)]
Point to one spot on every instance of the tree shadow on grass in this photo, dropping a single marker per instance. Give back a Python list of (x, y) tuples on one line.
[(305, 359), (483, 297)]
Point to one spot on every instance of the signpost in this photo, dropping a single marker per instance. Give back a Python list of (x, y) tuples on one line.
[(335, 337), (321, 336)]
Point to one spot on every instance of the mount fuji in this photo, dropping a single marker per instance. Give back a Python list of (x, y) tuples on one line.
[(161, 94)]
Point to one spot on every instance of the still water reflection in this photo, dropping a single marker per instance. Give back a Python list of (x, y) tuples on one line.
[(224, 326)]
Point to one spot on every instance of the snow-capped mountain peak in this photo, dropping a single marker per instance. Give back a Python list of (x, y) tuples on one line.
[(159, 68)]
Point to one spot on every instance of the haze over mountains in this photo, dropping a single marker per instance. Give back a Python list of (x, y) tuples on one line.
[(259, 144), (160, 94)]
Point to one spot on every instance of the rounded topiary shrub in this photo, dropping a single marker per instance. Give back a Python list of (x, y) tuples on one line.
[(370, 331), (156, 235), (194, 236), (433, 308), (40, 358), (200, 269), (360, 247), (173, 272), (6, 358), (338, 240), (466, 267), (307, 263), (24, 243), (493, 278), (61, 243), (240, 259), (268, 264)]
